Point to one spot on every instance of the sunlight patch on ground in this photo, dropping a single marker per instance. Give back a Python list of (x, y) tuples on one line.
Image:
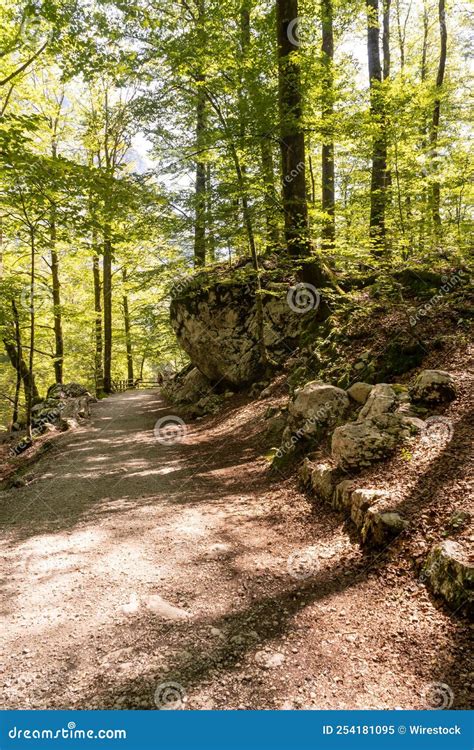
[(190, 523)]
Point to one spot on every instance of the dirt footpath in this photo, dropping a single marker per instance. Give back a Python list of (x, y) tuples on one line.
[(142, 574)]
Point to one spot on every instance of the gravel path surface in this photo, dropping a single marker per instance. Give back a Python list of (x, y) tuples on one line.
[(138, 574)]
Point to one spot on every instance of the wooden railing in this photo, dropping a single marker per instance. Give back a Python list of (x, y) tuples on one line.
[(129, 385)]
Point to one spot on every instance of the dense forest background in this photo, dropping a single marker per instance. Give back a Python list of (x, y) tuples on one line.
[(140, 141)]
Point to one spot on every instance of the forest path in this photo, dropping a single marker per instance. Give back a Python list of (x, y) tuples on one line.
[(137, 572)]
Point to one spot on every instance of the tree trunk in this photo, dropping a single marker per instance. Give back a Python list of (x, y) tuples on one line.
[(379, 144), (293, 161), (210, 239), (327, 151), (253, 253), (269, 193), (436, 188), (200, 185), (21, 367), (128, 335), (98, 369), (58, 331), (386, 39), (107, 292), (16, 400), (30, 393)]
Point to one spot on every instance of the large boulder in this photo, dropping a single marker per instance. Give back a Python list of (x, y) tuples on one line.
[(217, 326), (315, 406), (359, 444), (193, 387), (66, 390), (433, 387), (449, 572), (382, 399)]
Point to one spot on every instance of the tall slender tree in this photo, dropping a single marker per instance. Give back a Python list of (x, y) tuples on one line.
[(436, 187), (327, 149), (292, 141), (378, 184)]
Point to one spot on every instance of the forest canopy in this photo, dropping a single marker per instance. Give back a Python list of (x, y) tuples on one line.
[(140, 141)]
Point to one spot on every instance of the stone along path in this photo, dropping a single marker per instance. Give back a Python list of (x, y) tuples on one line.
[(138, 574)]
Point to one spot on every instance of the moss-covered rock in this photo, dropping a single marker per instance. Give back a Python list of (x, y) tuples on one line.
[(449, 573)]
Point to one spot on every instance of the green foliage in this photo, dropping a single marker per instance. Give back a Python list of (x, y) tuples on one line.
[(98, 115)]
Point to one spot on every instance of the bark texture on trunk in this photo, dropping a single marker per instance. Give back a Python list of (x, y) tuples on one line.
[(21, 368), (58, 328), (98, 338), (107, 297), (269, 193), (436, 187), (200, 184), (128, 333), (327, 151), (30, 392), (292, 142), (386, 39), (379, 144), (210, 239)]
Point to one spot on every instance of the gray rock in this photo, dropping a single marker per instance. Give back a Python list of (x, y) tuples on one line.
[(193, 387), (305, 471), (66, 390), (324, 479), (449, 573), (217, 327), (359, 444), (382, 399), (341, 499), (206, 405), (433, 387), (359, 392), (362, 500), (381, 527), (317, 405), (275, 427)]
